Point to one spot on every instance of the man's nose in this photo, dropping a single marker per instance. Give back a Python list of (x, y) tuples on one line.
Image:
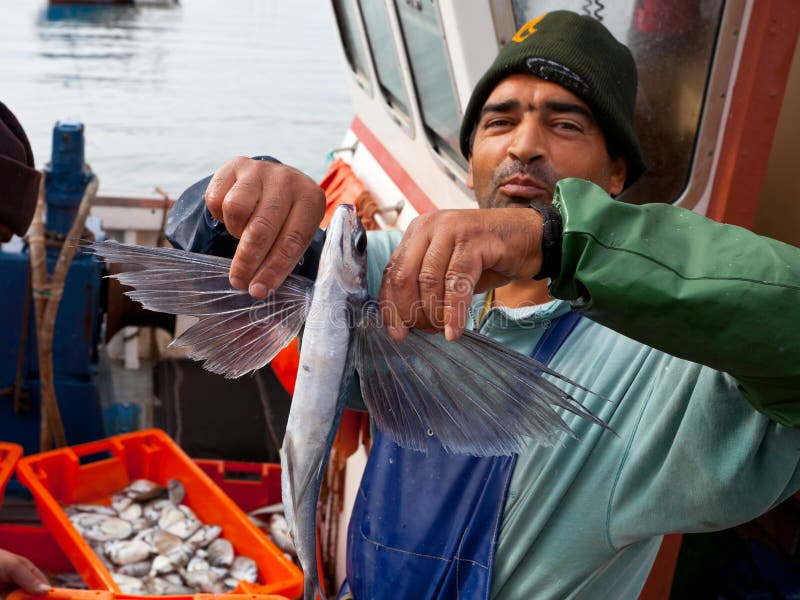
[(528, 143)]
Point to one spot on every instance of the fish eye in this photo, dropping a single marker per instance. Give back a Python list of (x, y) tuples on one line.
[(361, 242)]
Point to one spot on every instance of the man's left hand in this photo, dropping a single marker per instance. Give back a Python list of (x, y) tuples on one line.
[(446, 256)]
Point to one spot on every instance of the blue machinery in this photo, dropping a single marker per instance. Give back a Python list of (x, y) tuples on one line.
[(77, 329)]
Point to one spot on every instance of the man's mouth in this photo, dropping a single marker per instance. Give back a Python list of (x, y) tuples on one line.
[(525, 188)]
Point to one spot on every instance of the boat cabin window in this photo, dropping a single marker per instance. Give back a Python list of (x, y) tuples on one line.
[(384, 54), (672, 42), (430, 67), (351, 39)]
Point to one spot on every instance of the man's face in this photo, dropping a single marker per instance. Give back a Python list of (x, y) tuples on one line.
[(531, 133)]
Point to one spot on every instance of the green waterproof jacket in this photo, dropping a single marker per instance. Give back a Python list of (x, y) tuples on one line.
[(691, 346), (710, 293)]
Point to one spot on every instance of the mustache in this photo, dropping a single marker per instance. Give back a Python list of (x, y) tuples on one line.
[(542, 173)]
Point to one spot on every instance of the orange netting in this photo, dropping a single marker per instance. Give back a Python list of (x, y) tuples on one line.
[(342, 186)]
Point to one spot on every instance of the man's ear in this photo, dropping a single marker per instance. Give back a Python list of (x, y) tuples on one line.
[(619, 170), (470, 184)]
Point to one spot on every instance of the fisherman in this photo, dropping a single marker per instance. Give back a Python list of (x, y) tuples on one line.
[(19, 185), (684, 329), (19, 179)]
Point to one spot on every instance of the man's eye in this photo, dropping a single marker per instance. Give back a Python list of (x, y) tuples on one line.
[(568, 126), (498, 123)]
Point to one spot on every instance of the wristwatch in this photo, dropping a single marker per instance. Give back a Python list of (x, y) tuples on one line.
[(551, 240)]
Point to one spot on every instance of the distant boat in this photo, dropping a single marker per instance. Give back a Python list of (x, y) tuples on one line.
[(120, 2)]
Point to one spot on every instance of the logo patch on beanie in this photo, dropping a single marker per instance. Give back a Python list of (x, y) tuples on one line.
[(550, 70), (528, 29)]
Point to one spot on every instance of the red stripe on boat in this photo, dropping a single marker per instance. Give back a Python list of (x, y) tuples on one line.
[(413, 193)]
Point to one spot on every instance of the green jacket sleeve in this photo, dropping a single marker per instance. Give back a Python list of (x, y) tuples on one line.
[(715, 294)]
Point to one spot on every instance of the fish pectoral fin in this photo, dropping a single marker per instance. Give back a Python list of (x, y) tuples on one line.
[(475, 395), (236, 333)]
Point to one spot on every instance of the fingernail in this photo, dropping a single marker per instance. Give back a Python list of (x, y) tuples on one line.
[(258, 290), (449, 332), (42, 588), (398, 334)]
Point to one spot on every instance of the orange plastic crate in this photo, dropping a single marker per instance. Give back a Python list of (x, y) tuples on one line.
[(37, 545), (69, 594), (9, 455), (58, 478), (34, 543), (250, 485)]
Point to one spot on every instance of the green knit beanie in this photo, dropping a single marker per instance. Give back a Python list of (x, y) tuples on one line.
[(580, 54)]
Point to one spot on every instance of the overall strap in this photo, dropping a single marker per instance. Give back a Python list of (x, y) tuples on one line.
[(554, 336)]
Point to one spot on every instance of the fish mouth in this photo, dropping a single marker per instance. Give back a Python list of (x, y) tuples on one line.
[(340, 258), (349, 222)]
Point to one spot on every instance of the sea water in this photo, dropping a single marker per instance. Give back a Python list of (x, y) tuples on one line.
[(167, 94)]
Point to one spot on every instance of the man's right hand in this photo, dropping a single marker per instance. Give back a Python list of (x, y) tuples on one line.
[(274, 210)]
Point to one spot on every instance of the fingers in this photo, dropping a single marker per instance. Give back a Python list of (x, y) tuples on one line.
[(432, 278), (294, 237), (22, 572), (432, 275), (239, 187), (420, 278), (274, 210), (463, 272), (221, 182), (257, 239), (399, 294)]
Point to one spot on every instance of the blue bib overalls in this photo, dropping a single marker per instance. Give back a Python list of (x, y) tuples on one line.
[(434, 536)]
